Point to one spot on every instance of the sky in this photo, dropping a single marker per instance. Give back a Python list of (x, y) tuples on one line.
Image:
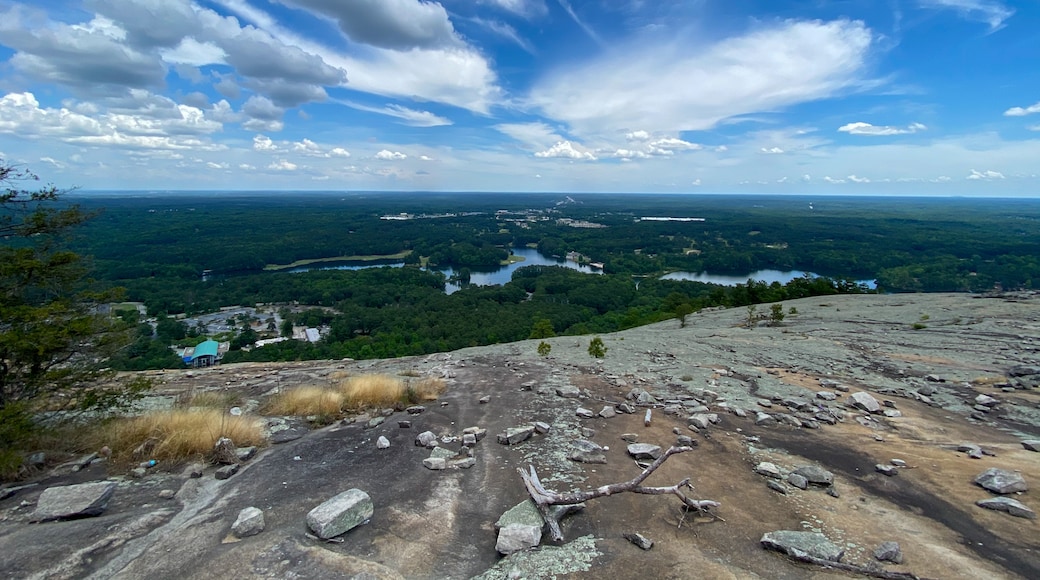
[(875, 97)]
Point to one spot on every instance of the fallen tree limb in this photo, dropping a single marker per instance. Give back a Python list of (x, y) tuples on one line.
[(543, 498), (864, 570)]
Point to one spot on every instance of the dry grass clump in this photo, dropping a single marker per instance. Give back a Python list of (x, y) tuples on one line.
[(427, 389), (988, 380), (209, 399), (375, 390), (176, 435), (306, 401)]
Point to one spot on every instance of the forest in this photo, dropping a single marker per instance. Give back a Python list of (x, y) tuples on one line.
[(191, 253)]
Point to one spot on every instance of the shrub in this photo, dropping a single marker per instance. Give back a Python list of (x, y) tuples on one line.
[(544, 348), (918, 326), (210, 399), (305, 401), (597, 348), (373, 390), (177, 435), (776, 314)]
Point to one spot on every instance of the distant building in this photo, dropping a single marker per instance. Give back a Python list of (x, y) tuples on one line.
[(313, 335), (204, 354)]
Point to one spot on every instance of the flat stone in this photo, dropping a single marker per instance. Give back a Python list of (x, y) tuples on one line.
[(524, 513), (478, 432), (226, 472), (587, 452), (764, 419), (630, 437), (382, 443), (794, 543), (607, 412), (340, 514), (250, 522), (469, 440), (1032, 444), (699, 421), (798, 481), (1001, 481), (1009, 505), (897, 462), (889, 552), (404, 424), (568, 392), (516, 537), (464, 463), (542, 427), (865, 402), (485, 399), (245, 453), (375, 422), (640, 540), (584, 413), (435, 463), (885, 469), (73, 501), (442, 453), (515, 435), (644, 450), (167, 494), (776, 486), (815, 474), (985, 400), (626, 408), (769, 470), (415, 409), (826, 395)]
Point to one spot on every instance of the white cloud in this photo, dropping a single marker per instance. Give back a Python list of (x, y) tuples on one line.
[(1033, 127), (856, 179), (194, 53), (425, 158), (535, 135), (526, 8), (1022, 111), (387, 155), (637, 136), (565, 150), (668, 145), (409, 116), (630, 154), (861, 128), (246, 167), (772, 150), (307, 147), (696, 182), (989, 11), (213, 165), (282, 165), (988, 174), (392, 24), (339, 152), (670, 85), (830, 179), (263, 143)]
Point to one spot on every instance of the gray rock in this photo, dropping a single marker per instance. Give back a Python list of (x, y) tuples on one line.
[(515, 435), (588, 433), (435, 463), (340, 514), (478, 432), (699, 421), (630, 437), (138, 472), (469, 440), (1001, 480), (865, 402), (889, 552), (644, 450), (382, 443), (1023, 371), (626, 408), (404, 424), (542, 427), (815, 474), (73, 501), (524, 513), (985, 400), (607, 412), (798, 481), (892, 413), (795, 543), (415, 409), (485, 399), (568, 392), (685, 441), (640, 540), (764, 403), (885, 469), (442, 453), (464, 463), (739, 412), (769, 470), (584, 413), (776, 486), (167, 494), (1031, 444), (226, 471), (897, 462), (375, 422), (587, 452), (196, 470), (764, 419), (516, 537), (826, 396), (250, 522), (245, 453), (644, 398), (426, 439), (1006, 504)]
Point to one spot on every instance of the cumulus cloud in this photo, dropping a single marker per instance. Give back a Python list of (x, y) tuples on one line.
[(282, 165), (988, 175), (263, 143), (1022, 111), (830, 179), (669, 145), (387, 155), (991, 12), (861, 128), (339, 152), (630, 154), (393, 24), (637, 136), (856, 179), (565, 150), (668, 85)]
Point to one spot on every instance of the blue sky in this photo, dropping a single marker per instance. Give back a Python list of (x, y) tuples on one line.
[(903, 97)]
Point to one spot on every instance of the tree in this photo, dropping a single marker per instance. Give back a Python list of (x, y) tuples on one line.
[(776, 314), (682, 311), (544, 348), (542, 328), (55, 334), (596, 348)]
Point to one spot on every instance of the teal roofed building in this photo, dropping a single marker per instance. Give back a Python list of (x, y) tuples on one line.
[(204, 354)]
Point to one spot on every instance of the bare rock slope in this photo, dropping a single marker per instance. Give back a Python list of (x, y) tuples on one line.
[(782, 438)]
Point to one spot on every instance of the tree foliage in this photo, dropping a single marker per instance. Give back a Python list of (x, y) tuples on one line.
[(54, 336)]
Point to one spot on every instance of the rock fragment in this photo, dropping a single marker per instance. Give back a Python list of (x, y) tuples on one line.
[(382, 443), (587, 452), (886, 469), (226, 472), (769, 470), (889, 552), (73, 501), (516, 537), (1001, 481), (340, 514), (426, 439), (815, 474), (1031, 444), (644, 450), (865, 402), (793, 543), (250, 522), (515, 435), (1009, 505), (640, 540)]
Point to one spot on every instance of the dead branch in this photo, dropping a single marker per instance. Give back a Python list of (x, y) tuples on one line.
[(544, 498), (864, 570)]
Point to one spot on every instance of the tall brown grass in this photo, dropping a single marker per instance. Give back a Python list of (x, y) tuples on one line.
[(427, 389), (308, 400), (375, 390), (176, 435)]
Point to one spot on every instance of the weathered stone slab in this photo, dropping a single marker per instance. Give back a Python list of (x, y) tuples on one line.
[(812, 543), (640, 540), (568, 392), (73, 501), (515, 435), (516, 537), (644, 451), (426, 439), (586, 451), (768, 469), (525, 513), (815, 474), (865, 402), (226, 472), (1031, 444), (889, 552), (1001, 480), (340, 514), (250, 522), (1006, 504), (607, 412)]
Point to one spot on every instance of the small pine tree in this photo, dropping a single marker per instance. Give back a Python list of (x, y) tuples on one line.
[(542, 328), (752, 316), (776, 314), (544, 348), (596, 348), (682, 311)]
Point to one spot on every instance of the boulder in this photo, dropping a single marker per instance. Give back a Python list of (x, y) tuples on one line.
[(382, 443), (584, 413), (226, 472), (700, 421), (516, 537), (587, 452), (1001, 481), (985, 400), (644, 450), (478, 432), (73, 501), (1031, 444), (776, 486), (568, 392), (1006, 504), (886, 469), (250, 522), (815, 474), (794, 543), (515, 435), (525, 513), (435, 463), (340, 514), (889, 552), (864, 402), (798, 481), (626, 408), (764, 419), (426, 439), (1023, 371), (607, 412), (768, 469), (542, 427)]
